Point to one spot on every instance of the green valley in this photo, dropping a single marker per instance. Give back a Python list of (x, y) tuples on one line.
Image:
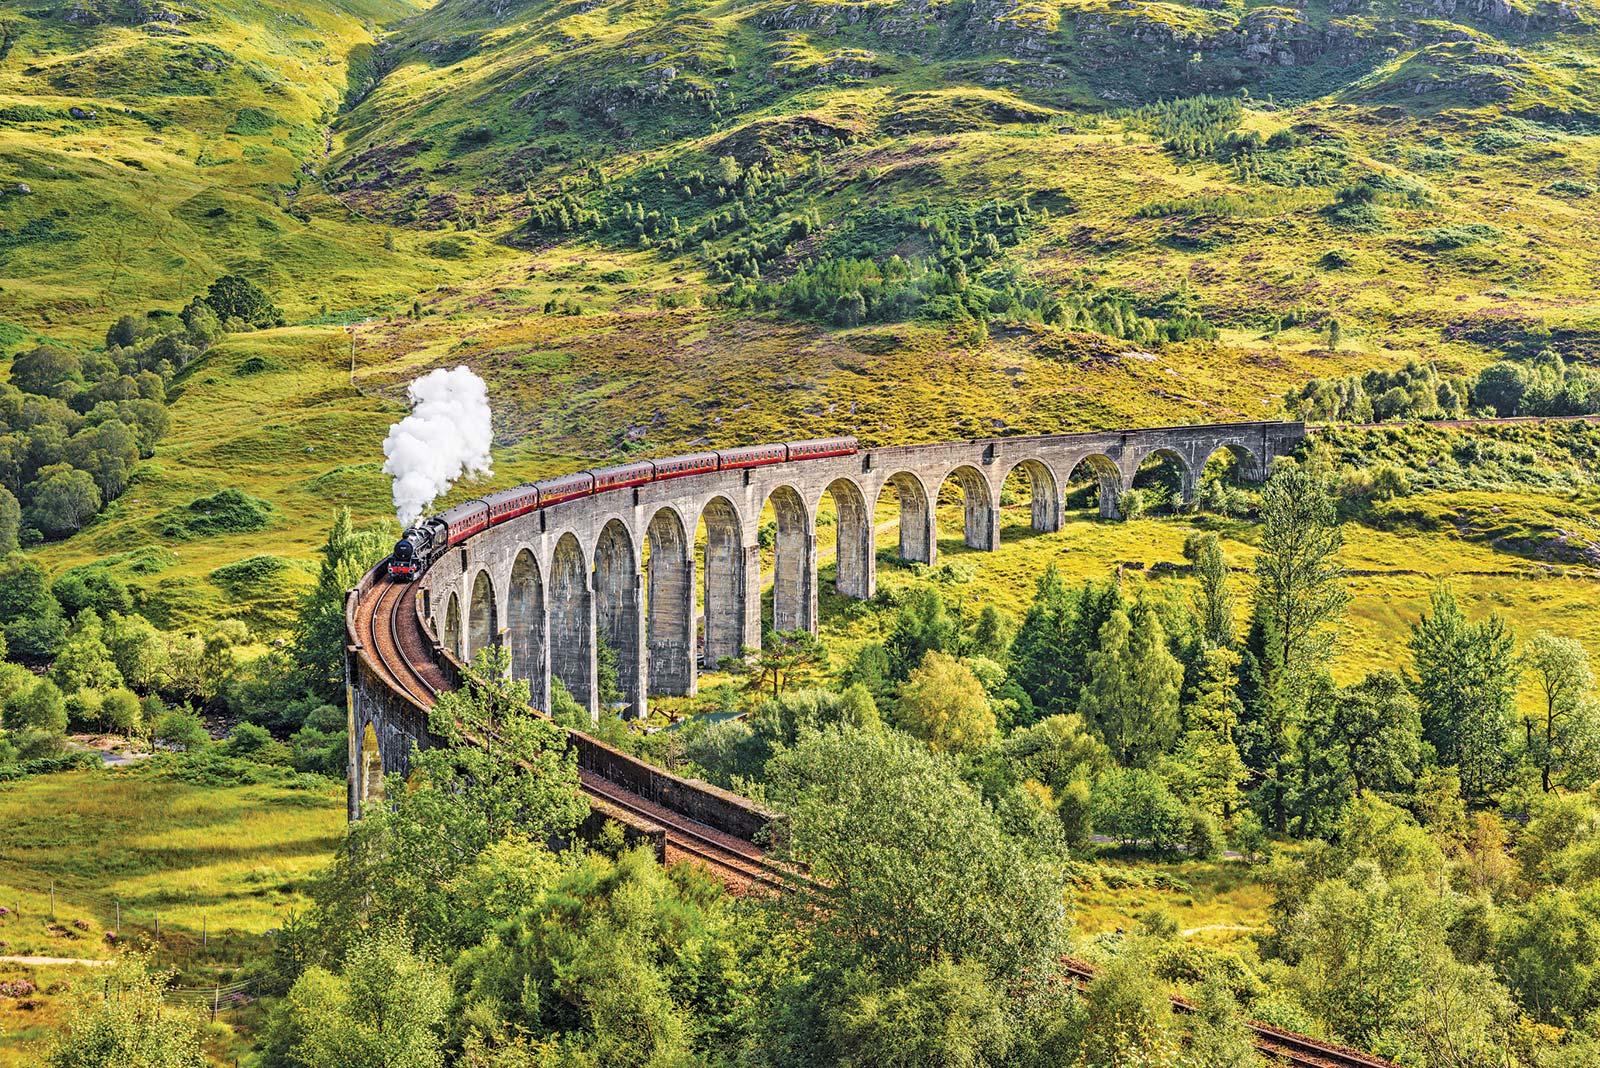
[(1320, 750)]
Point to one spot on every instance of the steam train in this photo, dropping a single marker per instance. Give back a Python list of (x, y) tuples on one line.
[(425, 542)]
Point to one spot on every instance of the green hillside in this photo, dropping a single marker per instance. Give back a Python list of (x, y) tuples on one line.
[(656, 225)]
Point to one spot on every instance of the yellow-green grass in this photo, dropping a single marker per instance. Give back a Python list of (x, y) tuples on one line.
[(1223, 901), (218, 858), (219, 865), (1393, 575), (190, 165)]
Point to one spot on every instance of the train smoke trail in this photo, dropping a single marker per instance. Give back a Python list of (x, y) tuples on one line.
[(447, 435)]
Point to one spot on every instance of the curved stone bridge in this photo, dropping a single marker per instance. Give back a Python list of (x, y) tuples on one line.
[(624, 564)]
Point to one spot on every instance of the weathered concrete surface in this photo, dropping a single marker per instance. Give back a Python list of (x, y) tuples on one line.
[(561, 576)]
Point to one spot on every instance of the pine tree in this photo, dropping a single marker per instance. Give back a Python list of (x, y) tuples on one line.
[(1214, 602), (319, 631), (1132, 691), (1465, 679)]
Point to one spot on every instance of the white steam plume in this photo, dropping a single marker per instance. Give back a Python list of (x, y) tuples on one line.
[(447, 435)]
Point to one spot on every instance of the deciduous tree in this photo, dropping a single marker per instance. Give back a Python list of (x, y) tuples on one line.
[(1377, 729), (1300, 592), (123, 1018), (386, 1010), (1560, 670), (945, 705)]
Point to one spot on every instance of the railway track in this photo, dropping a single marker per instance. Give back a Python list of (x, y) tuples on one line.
[(1286, 1047), (387, 620)]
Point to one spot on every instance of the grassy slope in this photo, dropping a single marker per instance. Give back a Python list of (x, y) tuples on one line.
[(226, 858), (964, 106), (189, 167)]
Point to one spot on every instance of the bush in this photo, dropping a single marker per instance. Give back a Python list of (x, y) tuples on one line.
[(27, 113), (249, 576), (256, 744), (1205, 837), (182, 729), (120, 710), (1135, 807), (226, 512), (39, 706), (49, 765)]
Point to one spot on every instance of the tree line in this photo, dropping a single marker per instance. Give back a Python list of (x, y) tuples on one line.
[(1543, 385), (1426, 838)]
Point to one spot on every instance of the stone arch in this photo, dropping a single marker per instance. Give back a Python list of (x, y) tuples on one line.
[(451, 638), (1108, 479), (619, 607), (670, 606), (917, 542), (794, 569), (1142, 472), (526, 627), (1247, 463), (483, 617), (980, 528), (1044, 491), (369, 767), (854, 573), (726, 562), (572, 621)]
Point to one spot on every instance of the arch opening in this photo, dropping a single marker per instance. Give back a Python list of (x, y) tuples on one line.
[(451, 638), (1164, 483), (853, 574), (1223, 478), (1095, 484), (369, 768), (1033, 482), (669, 606), (915, 516), (619, 610), (980, 523), (483, 623), (793, 561), (725, 566), (525, 627), (572, 622)]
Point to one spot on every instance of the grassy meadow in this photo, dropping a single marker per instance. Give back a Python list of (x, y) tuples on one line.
[(219, 862)]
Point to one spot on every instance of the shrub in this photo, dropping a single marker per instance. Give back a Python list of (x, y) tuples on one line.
[(256, 743), (182, 729), (120, 710), (250, 575), (226, 512), (1135, 807), (26, 113)]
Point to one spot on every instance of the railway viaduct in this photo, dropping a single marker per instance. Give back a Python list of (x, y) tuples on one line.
[(624, 564)]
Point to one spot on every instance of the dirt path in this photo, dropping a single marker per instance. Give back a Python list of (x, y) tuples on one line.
[(86, 961)]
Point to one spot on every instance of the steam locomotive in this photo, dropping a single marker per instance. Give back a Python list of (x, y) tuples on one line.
[(423, 543)]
